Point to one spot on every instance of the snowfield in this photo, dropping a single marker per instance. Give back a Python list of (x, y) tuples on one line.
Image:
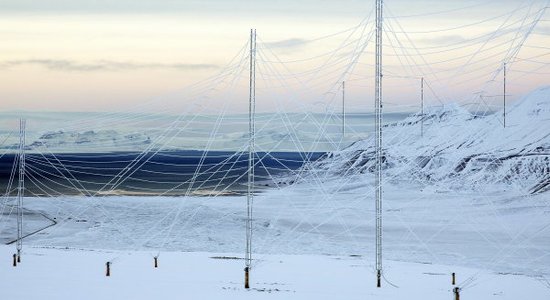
[(306, 247), (80, 274)]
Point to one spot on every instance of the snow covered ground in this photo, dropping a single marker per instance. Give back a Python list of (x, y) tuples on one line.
[(503, 231), (80, 274), (308, 245)]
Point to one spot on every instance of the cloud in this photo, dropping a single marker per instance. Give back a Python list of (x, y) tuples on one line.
[(240, 7), (453, 39), (288, 43), (102, 65), (542, 30), (444, 39)]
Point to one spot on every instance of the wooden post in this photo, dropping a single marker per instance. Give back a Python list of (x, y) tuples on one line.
[(15, 260), (108, 265), (453, 278), (456, 291), (378, 277), (246, 278), (156, 262)]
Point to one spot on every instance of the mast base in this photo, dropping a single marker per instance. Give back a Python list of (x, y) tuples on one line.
[(108, 269), (246, 278)]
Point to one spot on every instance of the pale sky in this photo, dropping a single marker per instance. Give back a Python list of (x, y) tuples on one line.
[(86, 55)]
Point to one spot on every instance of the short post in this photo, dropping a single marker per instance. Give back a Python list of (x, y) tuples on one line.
[(246, 277), (108, 265), (156, 261), (453, 281), (456, 291), (18, 256), (378, 278), (15, 260)]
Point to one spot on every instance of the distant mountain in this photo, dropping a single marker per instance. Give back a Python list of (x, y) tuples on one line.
[(458, 149), (109, 139), (99, 133)]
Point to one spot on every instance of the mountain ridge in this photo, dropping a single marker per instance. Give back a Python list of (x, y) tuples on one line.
[(458, 149)]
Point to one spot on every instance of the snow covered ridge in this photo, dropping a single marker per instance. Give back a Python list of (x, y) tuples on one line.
[(105, 138), (459, 150)]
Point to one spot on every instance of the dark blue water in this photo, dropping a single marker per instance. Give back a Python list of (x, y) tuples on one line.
[(170, 173)]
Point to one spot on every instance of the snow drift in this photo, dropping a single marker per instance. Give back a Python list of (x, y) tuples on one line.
[(459, 150)]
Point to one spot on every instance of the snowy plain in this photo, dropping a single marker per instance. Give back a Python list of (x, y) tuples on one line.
[(79, 274), (306, 247)]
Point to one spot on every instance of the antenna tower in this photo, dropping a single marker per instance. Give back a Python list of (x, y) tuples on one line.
[(422, 107), (20, 188), (504, 97), (251, 141), (343, 110), (378, 140)]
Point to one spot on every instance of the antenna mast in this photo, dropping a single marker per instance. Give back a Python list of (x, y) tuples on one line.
[(251, 141), (20, 188), (378, 139), (422, 107), (343, 110), (504, 98)]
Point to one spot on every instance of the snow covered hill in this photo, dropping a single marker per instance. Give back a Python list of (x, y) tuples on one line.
[(114, 132), (459, 150), (110, 139)]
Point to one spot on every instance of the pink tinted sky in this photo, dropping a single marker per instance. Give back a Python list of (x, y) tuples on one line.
[(84, 55)]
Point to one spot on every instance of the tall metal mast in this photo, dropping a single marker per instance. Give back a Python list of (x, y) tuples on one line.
[(504, 97), (343, 110), (378, 140), (251, 141), (20, 188), (422, 107)]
